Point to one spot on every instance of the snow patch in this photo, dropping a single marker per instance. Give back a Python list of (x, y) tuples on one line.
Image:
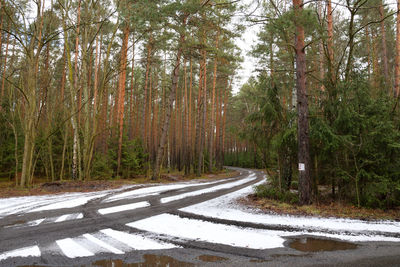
[(136, 242), (209, 190), (72, 249), (16, 205), (156, 190), (102, 244), (192, 229), (68, 203), (131, 206), (225, 207), (62, 218), (33, 251)]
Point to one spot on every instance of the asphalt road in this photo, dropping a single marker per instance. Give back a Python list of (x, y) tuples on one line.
[(52, 226)]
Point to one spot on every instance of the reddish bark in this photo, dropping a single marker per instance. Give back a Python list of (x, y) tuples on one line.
[(121, 100), (397, 66)]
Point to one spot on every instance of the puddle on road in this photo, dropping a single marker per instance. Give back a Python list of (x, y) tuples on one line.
[(309, 244), (149, 260), (211, 258)]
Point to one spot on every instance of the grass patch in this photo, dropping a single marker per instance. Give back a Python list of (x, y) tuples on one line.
[(271, 200)]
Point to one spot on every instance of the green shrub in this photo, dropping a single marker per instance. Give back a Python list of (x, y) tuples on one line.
[(267, 191)]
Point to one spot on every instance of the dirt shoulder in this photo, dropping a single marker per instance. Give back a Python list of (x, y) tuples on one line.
[(338, 210), (42, 187)]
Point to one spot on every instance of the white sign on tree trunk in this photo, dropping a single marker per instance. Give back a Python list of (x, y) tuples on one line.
[(302, 167)]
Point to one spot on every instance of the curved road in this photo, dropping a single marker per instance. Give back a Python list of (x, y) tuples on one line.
[(106, 231)]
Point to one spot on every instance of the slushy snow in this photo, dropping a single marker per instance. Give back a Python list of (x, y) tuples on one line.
[(209, 190), (225, 207)]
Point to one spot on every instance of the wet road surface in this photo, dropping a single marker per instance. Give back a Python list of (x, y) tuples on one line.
[(115, 229)]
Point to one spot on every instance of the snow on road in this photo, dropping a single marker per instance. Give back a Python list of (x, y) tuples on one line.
[(198, 230), (14, 205), (72, 203), (251, 177), (172, 225), (137, 242), (22, 252), (156, 190), (73, 249), (126, 207), (187, 229), (225, 207)]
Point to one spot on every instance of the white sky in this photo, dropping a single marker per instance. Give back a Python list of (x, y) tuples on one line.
[(245, 43)]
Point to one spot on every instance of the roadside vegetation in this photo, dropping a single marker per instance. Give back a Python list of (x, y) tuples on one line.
[(353, 139), (110, 89)]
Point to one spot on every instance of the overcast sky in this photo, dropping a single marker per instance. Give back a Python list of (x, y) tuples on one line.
[(245, 43)]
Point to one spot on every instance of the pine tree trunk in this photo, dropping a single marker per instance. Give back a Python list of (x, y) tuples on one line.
[(4, 68), (331, 58), (225, 110), (63, 77), (384, 48), (75, 121), (303, 131), (132, 94), (144, 111), (321, 52), (397, 63), (212, 110), (368, 41), (121, 85), (190, 119), (169, 106)]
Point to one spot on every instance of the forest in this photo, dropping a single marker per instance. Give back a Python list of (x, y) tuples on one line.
[(101, 89)]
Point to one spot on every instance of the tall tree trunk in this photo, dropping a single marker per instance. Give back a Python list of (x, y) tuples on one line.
[(165, 128), (121, 85), (384, 48), (132, 96), (303, 128), (212, 110), (185, 118), (144, 113), (331, 58), (351, 34), (397, 63), (225, 110), (63, 78), (321, 51), (4, 68), (76, 170), (368, 41)]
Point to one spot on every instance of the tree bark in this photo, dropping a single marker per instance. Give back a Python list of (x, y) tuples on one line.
[(331, 58), (384, 48), (144, 112), (212, 110), (165, 128), (397, 63), (4, 68), (302, 107), (121, 101)]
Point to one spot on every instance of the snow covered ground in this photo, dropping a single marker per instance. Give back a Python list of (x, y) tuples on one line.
[(226, 207), (156, 190), (251, 177), (16, 205)]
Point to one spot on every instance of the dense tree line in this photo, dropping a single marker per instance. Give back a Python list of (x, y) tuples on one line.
[(100, 88), (349, 53)]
